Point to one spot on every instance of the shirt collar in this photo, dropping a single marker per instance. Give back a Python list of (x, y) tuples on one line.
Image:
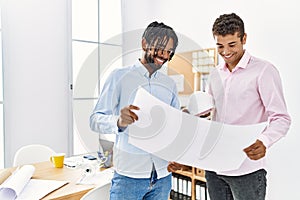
[(242, 63), (143, 70), (244, 60)]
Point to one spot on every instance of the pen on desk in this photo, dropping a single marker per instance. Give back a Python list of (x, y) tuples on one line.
[(71, 166), (82, 177), (86, 171)]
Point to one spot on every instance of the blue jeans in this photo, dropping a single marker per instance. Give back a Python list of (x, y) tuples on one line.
[(124, 188), (246, 187)]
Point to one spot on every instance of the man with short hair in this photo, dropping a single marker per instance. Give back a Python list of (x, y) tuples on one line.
[(246, 90)]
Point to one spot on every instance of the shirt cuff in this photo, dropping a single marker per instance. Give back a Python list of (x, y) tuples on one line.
[(120, 129), (265, 140)]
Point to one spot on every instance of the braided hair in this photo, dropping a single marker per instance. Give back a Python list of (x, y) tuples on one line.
[(158, 35)]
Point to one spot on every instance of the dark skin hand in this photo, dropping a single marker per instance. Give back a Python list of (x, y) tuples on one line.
[(174, 166), (127, 116), (185, 110), (256, 150)]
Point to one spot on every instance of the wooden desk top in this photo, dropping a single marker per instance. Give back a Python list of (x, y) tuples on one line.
[(71, 191)]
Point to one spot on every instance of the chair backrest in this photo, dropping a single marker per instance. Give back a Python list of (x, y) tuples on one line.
[(32, 153), (98, 193)]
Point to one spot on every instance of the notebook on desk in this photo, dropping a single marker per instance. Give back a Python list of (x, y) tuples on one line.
[(19, 185)]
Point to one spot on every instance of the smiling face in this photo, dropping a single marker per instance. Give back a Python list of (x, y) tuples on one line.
[(229, 33), (157, 54), (230, 48)]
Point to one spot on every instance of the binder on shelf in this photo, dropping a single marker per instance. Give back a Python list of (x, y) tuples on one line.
[(180, 187), (201, 190), (173, 187), (174, 194), (187, 183), (198, 197), (187, 188)]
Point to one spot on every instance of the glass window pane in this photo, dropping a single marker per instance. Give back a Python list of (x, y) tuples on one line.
[(1, 138), (0, 19), (85, 20), (1, 72), (85, 70), (1, 103), (85, 140), (110, 21), (110, 58), (93, 61)]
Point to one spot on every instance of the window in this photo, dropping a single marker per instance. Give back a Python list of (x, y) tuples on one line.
[(97, 49), (1, 103)]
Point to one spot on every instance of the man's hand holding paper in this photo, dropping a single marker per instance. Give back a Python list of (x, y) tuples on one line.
[(127, 116)]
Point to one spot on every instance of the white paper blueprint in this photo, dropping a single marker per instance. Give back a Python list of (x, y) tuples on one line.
[(20, 186), (200, 103), (177, 136)]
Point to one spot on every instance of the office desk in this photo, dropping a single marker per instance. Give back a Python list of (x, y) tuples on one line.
[(45, 170), (71, 191)]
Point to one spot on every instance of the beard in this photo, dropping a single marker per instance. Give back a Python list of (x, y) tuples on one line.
[(150, 61)]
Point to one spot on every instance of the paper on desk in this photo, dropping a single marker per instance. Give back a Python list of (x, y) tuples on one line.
[(38, 188), (20, 185), (97, 178), (177, 136), (13, 186)]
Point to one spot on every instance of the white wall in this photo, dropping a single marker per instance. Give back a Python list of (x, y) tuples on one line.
[(273, 34), (36, 66)]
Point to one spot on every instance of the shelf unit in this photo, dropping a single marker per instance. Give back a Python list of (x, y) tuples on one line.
[(194, 65), (196, 176), (203, 61)]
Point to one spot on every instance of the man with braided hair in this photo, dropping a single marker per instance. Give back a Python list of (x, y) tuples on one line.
[(138, 174), (246, 90)]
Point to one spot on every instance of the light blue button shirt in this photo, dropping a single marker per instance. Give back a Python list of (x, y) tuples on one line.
[(119, 91)]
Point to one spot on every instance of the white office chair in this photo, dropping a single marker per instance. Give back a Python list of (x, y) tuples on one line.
[(98, 193), (32, 153)]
